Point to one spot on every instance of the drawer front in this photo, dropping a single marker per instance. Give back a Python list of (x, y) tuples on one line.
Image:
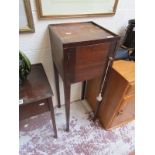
[(90, 61), (131, 90), (31, 109), (126, 111)]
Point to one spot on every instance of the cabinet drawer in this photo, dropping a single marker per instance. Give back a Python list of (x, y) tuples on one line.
[(131, 90), (126, 111), (31, 109)]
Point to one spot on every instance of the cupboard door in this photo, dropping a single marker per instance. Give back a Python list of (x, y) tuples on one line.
[(91, 60), (126, 111)]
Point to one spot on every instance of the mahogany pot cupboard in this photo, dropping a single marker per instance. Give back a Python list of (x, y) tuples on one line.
[(80, 52)]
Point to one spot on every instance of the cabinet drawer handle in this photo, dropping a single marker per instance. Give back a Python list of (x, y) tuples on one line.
[(41, 104), (120, 112)]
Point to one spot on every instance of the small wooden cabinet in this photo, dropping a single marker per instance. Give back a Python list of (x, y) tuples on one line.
[(80, 52), (118, 105)]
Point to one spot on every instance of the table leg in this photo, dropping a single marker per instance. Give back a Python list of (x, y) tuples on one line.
[(52, 116), (57, 85), (83, 90), (67, 87)]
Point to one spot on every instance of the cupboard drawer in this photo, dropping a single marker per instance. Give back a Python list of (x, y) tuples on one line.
[(31, 109), (126, 111)]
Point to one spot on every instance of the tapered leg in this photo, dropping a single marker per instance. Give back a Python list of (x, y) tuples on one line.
[(67, 87), (57, 85), (52, 116), (96, 110), (83, 90)]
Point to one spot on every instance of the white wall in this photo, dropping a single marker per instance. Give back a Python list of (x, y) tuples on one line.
[(37, 45)]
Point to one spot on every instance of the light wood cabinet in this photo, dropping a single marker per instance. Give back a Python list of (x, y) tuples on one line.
[(118, 102)]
